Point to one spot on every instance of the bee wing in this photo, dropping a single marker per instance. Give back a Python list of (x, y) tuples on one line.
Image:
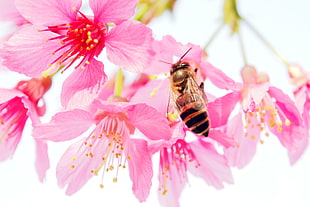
[(194, 88), (172, 107)]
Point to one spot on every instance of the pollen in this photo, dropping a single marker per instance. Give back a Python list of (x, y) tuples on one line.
[(114, 180), (72, 166), (78, 41)]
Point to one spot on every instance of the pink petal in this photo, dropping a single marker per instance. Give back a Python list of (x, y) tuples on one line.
[(287, 106), (87, 81), (113, 11), (301, 98), (155, 93), (32, 112), (174, 190), (27, 51), (140, 168), (42, 161), (49, 12), (221, 108), (241, 155), (74, 168), (167, 49), (149, 121), (8, 94), (9, 12), (213, 166), (110, 107), (219, 78), (258, 92), (120, 42), (64, 126), (299, 148), (222, 138), (294, 139), (177, 133)]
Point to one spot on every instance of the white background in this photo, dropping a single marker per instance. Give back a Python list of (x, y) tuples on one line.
[(267, 181)]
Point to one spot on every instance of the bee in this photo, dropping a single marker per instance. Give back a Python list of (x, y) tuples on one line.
[(189, 98)]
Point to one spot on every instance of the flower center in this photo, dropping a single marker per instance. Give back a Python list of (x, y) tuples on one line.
[(265, 115), (173, 163), (13, 116), (106, 148), (82, 38)]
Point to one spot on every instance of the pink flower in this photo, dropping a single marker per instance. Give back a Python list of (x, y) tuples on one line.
[(265, 108), (16, 106), (177, 157), (109, 146), (68, 37)]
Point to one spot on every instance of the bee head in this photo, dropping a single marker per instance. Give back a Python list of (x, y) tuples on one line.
[(179, 66)]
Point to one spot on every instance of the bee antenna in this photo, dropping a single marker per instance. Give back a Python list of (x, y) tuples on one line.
[(185, 54), (166, 62)]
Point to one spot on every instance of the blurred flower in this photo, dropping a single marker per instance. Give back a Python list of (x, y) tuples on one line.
[(301, 79), (8, 12), (147, 10), (16, 106), (66, 36), (265, 108), (109, 145)]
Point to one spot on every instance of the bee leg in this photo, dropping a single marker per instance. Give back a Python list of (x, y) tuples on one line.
[(202, 86)]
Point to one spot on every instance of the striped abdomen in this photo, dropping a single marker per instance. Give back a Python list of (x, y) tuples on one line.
[(196, 118)]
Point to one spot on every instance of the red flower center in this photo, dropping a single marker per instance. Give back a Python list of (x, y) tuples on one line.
[(82, 38)]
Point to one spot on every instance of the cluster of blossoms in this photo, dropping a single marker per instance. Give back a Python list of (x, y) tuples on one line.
[(122, 126)]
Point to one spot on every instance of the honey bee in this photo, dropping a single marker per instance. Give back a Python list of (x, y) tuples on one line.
[(189, 98)]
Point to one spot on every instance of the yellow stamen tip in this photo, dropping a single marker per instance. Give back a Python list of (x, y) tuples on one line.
[(45, 74), (287, 122), (101, 186), (114, 180)]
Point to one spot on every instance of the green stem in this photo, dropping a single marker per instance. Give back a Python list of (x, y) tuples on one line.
[(213, 36), (242, 48), (259, 35), (118, 83)]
